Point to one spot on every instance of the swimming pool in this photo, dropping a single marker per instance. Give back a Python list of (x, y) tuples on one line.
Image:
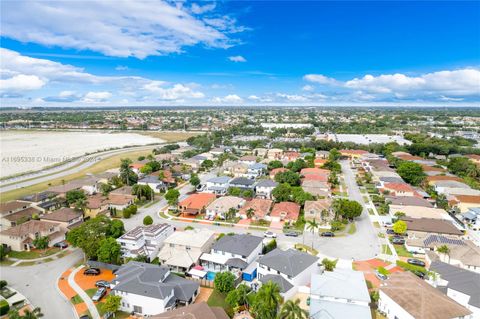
[(211, 275)]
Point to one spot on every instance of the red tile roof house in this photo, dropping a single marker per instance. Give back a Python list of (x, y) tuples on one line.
[(319, 162), (291, 156), (317, 178), (261, 208), (195, 204), (285, 211), (400, 189), (314, 171), (275, 171)]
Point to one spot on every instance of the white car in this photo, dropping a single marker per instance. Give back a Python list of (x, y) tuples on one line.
[(269, 234)]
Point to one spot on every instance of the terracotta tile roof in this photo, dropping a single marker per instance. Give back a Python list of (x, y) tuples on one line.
[(27, 212), (318, 178), (248, 158), (314, 171), (410, 158), (197, 201), (261, 207), (432, 225), (399, 187), (96, 201), (12, 206), (443, 178), (318, 205), (474, 157), (428, 168), (30, 227), (468, 199), (288, 209), (275, 171), (356, 152), (118, 199), (419, 299)]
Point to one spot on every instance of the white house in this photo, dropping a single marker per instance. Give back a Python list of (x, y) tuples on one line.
[(290, 269), (264, 188), (230, 252), (148, 289), (144, 240), (405, 296), (220, 206), (217, 185), (341, 293), (461, 285), (154, 182), (256, 170)]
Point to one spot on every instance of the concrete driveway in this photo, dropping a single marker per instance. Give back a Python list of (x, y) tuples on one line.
[(39, 284)]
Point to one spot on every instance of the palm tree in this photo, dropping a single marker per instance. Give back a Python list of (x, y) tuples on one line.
[(291, 310), (268, 301), (312, 225), (34, 314), (250, 212), (444, 249)]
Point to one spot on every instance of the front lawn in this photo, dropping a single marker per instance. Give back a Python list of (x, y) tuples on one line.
[(33, 254), (401, 251), (386, 249), (352, 229), (76, 300), (217, 299), (90, 292)]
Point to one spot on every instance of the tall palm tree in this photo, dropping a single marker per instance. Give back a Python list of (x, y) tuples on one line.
[(268, 301), (250, 212), (312, 225), (34, 314), (291, 310), (444, 249)]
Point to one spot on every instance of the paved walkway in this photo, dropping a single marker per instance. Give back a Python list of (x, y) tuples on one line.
[(53, 256), (91, 306)]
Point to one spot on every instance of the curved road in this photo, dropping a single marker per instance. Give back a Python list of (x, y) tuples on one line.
[(65, 169), (39, 284)]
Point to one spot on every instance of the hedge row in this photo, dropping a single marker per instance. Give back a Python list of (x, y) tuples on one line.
[(407, 266)]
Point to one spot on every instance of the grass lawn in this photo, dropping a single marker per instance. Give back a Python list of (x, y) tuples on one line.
[(306, 248), (386, 249), (90, 292), (401, 251), (217, 299), (365, 199), (352, 229), (6, 262), (172, 136), (33, 254), (100, 167), (76, 300), (261, 223), (370, 211)]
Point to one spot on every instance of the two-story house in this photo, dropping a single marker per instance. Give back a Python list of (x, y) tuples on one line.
[(144, 240), (66, 217), (222, 205), (264, 188), (217, 185), (21, 237)]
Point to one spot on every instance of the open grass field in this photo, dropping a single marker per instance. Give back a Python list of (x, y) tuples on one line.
[(170, 136), (102, 166)]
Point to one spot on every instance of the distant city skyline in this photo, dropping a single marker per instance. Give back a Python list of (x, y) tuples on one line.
[(156, 53)]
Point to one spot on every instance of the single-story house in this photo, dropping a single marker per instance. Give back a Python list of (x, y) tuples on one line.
[(196, 203), (259, 207), (285, 211), (320, 211)]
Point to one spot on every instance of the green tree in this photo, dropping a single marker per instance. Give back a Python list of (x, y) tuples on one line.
[(348, 209), (411, 172), (3, 253), (400, 227), (207, 164), (143, 191), (291, 310), (312, 225), (282, 192), (267, 301), (117, 228), (329, 264), (289, 177), (127, 175), (444, 249), (74, 195), (111, 304), (109, 251), (297, 165), (33, 314), (334, 155), (274, 164), (41, 242), (238, 297), (234, 191), (250, 212), (195, 180), (147, 220), (172, 196), (224, 281), (299, 196)]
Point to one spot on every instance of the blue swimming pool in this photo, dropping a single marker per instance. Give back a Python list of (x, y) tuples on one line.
[(211, 275)]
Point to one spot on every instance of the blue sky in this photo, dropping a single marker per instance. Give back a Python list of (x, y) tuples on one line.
[(239, 52)]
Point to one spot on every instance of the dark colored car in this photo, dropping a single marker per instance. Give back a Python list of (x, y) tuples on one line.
[(291, 234), (92, 272), (419, 274), (380, 276), (398, 241), (327, 234), (102, 283), (108, 315), (416, 262), (61, 245), (84, 317), (390, 231)]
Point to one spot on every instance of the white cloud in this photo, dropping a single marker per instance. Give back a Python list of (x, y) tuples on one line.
[(197, 9), (237, 58), (96, 97), (116, 28), (175, 92), (231, 98), (292, 97), (308, 88), (21, 83), (121, 68), (321, 79)]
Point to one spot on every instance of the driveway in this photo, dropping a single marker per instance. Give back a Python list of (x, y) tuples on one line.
[(39, 284)]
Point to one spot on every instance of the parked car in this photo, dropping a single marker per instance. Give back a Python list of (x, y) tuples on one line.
[(107, 315), (61, 245), (327, 234), (92, 272), (99, 294), (291, 234), (398, 241), (416, 262), (419, 274), (390, 231), (84, 317), (269, 234), (102, 283), (380, 276)]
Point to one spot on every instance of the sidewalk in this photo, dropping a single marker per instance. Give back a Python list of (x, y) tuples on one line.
[(65, 251), (90, 305)]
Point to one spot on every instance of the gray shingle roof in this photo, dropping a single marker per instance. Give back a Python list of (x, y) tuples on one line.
[(266, 183), (239, 244), (219, 179), (152, 281), (462, 280), (242, 181), (291, 262), (282, 283)]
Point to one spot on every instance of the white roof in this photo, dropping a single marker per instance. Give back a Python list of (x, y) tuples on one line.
[(192, 238), (197, 273), (341, 283), (215, 258), (178, 258)]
